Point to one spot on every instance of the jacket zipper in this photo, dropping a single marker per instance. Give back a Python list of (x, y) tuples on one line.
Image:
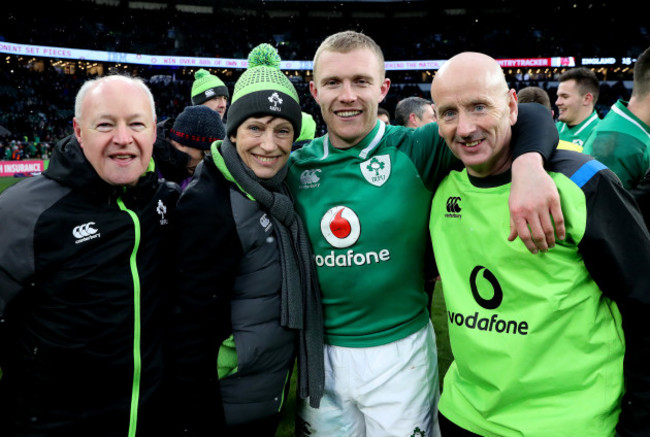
[(137, 358)]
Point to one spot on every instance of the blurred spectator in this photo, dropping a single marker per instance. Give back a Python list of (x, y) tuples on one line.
[(622, 139), (307, 131), (414, 112), (577, 95), (383, 115), (536, 94), (181, 143), (210, 91)]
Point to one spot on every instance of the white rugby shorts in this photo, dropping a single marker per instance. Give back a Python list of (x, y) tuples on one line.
[(381, 391)]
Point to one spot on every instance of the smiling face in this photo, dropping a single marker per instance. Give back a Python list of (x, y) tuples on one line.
[(264, 144), (573, 106), (116, 130), (348, 88), (475, 112)]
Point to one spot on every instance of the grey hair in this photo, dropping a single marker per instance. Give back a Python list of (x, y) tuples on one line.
[(92, 83), (410, 105)]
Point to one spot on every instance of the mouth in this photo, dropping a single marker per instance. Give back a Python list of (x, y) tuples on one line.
[(122, 158), (471, 144), (349, 113), (266, 160)]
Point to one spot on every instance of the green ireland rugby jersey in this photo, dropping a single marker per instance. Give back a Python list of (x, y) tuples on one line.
[(538, 346), (579, 133), (622, 142), (366, 210)]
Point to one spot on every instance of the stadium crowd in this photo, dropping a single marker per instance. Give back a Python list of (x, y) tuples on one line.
[(35, 102), (147, 161)]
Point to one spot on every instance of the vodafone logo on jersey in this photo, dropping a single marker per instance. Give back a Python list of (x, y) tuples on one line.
[(340, 227)]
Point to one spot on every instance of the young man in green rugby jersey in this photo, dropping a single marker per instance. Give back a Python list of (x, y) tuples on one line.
[(577, 94), (622, 139), (364, 192), (553, 344)]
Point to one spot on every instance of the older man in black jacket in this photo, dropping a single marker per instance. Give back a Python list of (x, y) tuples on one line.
[(81, 277)]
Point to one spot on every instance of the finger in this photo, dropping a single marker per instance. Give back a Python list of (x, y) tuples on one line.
[(538, 234), (513, 230), (548, 229), (558, 221), (525, 235)]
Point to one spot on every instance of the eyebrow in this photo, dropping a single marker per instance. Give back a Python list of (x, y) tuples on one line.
[(338, 77)]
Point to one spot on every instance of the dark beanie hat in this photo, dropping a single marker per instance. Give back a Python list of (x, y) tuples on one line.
[(207, 86), (263, 89), (198, 127)]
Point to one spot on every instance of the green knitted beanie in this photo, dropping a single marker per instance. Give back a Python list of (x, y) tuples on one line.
[(207, 86), (308, 131), (263, 89)]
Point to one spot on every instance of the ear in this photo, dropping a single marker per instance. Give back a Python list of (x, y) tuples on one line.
[(513, 107), (314, 91), (77, 131), (232, 139), (413, 119), (588, 99), (383, 89)]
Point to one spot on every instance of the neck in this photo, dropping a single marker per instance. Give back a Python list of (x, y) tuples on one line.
[(339, 142), (641, 108), (585, 115)]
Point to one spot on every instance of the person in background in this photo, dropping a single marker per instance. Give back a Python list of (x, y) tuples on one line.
[(622, 139), (247, 301), (307, 132), (535, 94), (414, 112), (561, 336), (83, 276), (577, 94), (182, 142), (210, 91), (383, 115), (364, 191)]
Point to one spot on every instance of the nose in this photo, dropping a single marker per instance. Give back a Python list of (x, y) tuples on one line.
[(465, 126), (122, 134), (347, 92), (267, 141)]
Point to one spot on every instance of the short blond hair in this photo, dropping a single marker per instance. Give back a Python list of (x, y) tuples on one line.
[(347, 41)]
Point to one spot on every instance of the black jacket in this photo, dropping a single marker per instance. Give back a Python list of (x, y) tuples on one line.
[(81, 300), (229, 282)]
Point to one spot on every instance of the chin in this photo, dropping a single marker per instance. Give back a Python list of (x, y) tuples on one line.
[(126, 178), (265, 173)]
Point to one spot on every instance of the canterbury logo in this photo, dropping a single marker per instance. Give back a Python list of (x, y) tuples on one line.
[(452, 205), (309, 177), (85, 232)]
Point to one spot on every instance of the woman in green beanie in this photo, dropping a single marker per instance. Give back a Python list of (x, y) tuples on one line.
[(247, 301)]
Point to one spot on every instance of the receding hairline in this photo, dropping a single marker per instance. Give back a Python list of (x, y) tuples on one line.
[(92, 84), (346, 42)]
